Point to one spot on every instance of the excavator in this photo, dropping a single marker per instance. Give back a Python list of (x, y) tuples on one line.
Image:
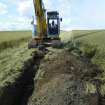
[(47, 27)]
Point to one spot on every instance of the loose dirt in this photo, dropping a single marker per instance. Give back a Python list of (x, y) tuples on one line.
[(62, 79)]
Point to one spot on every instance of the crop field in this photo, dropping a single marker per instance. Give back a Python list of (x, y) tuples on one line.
[(91, 39), (19, 53), (13, 35), (14, 52), (13, 38), (96, 39)]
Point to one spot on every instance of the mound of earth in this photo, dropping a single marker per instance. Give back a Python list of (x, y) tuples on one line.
[(62, 80)]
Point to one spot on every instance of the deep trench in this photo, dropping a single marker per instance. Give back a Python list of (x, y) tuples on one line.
[(30, 69), (19, 92)]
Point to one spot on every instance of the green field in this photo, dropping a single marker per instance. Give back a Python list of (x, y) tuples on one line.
[(9, 39), (94, 38), (90, 39), (13, 35), (13, 53), (14, 50)]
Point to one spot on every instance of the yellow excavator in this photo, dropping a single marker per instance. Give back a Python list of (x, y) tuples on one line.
[(47, 26)]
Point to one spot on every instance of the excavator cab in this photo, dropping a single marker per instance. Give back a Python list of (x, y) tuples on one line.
[(53, 24)]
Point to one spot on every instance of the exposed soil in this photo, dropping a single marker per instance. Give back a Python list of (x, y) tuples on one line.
[(61, 80)]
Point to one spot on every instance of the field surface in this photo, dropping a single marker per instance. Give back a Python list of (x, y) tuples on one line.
[(19, 52), (10, 39), (6, 36), (94, 37), (14, 52)]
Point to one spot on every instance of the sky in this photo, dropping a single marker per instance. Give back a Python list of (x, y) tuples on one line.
[(76, 14)]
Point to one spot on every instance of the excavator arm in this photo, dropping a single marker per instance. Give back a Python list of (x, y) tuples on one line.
[(40, 13)]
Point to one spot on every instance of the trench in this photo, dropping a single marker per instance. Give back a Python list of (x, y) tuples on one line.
[(30, 69), (19, 92)]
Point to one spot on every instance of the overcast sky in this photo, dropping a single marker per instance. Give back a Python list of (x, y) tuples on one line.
[(76, 14)]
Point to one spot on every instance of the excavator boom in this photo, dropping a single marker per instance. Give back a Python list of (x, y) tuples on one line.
[(40, 13)]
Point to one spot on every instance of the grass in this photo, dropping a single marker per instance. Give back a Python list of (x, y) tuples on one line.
[(11, 63), (94, 38), (89, 40), (9, 39), (66, 36), (13, 53), (6, 36)]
